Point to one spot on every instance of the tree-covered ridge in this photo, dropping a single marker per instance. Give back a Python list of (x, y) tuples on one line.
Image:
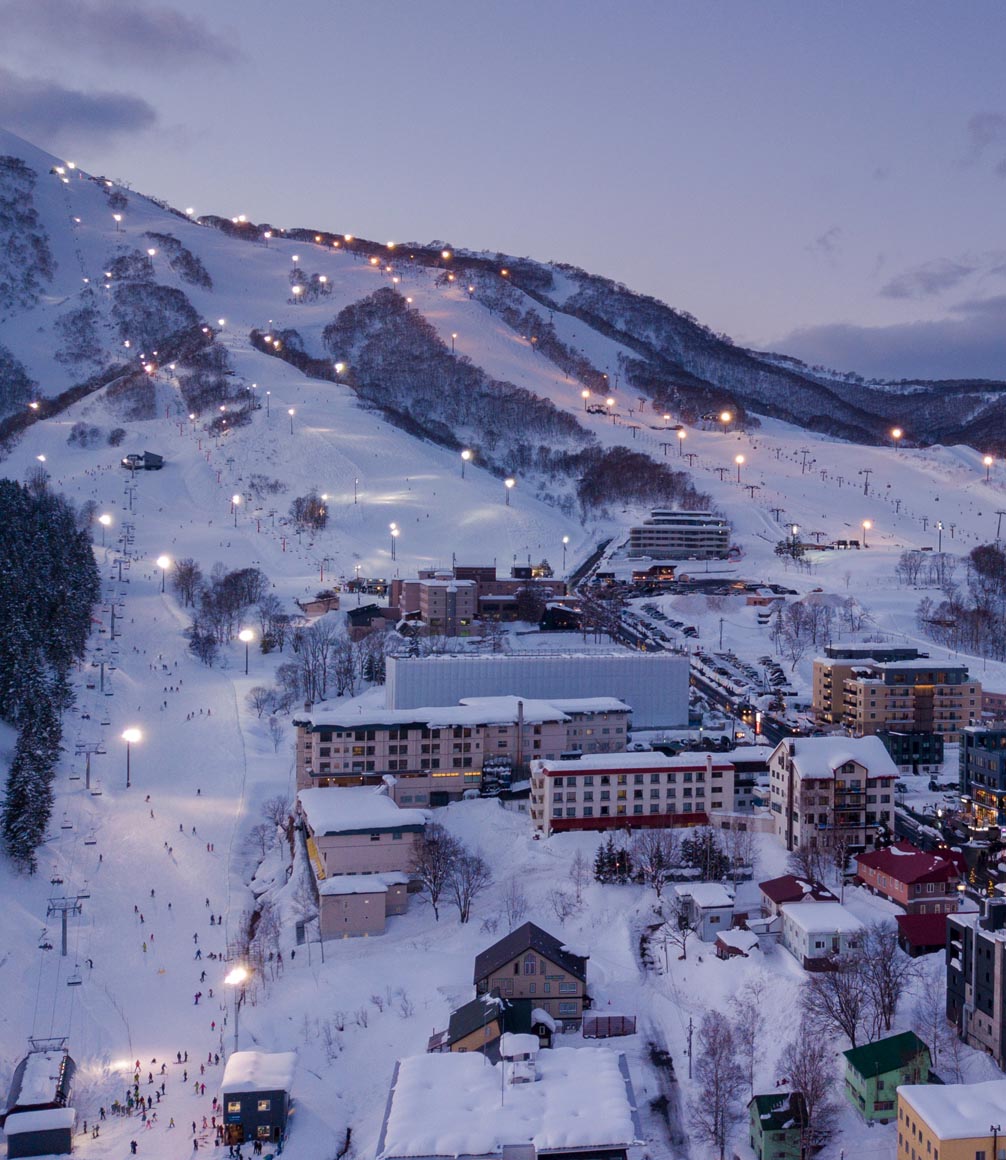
[(26, 262), (48, 584)]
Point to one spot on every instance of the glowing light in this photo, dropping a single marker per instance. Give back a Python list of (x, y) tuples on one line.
[(163, 561), (236, 976), (105, 520), (221, 322), (725, 417), (446, 255), (151, 253), (131, 735), (246, 635)]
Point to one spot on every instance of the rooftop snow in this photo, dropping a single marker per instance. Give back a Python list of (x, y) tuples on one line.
[(469, 711), (822, 916), (41, 1077), (636, 761), (361, 883), (338, 809), (705, 894), (958, 1111), (259, 1071), (449, 1105), (817, 757), (46, 1120)]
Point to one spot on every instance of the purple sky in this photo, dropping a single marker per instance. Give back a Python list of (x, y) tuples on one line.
[(827, 180)]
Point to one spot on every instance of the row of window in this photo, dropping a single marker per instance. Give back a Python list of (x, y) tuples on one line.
[(654, 808), (621, 795), (637, 778)]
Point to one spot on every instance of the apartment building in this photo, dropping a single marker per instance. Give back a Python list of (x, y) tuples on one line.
[(909, 695), (958, 1121), (919, 882), (680, 535), (448, 600), (824, 789), (982, 768), (596, 792), (436, 754), (976, 978)]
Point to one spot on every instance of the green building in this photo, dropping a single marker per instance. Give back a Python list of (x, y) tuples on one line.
[(874, 1071), (776, 1125)]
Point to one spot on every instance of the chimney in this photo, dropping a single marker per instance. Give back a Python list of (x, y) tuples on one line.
[(709, 764)]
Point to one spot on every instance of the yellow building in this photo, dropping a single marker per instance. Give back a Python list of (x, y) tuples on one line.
[(952, 1121)]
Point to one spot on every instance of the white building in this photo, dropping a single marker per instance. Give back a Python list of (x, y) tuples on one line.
[(653, 685), (828, 788), (709, 906), (814, 931), (673, 535)]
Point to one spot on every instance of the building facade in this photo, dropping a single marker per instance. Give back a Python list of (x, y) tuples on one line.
[(814, 932), (653, 685), (918, 882), (634, 789), (256, 1089), (436, 754), (873, 1072), (982, 769), (867, 695), (976, 978), (529, 963), (829, 789), (680, 535)]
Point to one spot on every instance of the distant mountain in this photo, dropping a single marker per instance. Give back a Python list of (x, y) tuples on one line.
[(98, 284)]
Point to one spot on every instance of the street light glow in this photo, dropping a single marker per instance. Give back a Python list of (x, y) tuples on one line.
[(131, 735), (725, 417), (162, 561), (105, 520), (236, 977)]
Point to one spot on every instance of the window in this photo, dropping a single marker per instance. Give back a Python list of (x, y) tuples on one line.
[(234, 1107), (570, 1009), (375, 837), (265, 1105), (567, 988), (529, 964), (264, 1132)]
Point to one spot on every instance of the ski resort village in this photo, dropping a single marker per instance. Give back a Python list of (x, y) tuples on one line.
[(453, 706)]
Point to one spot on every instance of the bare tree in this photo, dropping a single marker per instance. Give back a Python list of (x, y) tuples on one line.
[(579, 873), (680, 925), (807, 1064), (276, 810), (260, 839), (563, 903), (839, 1000), (259, 699), (277, 731), (514, 902), (809, 861), (887, 971), (469, 877), (719, 1082), (748, 1007), (433, 860), (186, 580), (929, 1017), (655, 854)]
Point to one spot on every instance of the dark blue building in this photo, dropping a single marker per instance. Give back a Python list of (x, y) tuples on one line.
[(982, 768)]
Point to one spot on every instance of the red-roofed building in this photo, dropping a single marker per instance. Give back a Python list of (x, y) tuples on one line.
[(922, 934), (776, 892), (921, 883)]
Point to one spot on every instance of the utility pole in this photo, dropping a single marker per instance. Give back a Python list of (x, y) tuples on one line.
[(63, 907), (689, 1047), (999, 524), (691, 456), (722, 472), (866, 473), (664, 445), (751, 488), (721, 632), (777, 512)]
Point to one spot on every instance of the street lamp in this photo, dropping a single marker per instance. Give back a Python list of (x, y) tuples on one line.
[(465, 456), (129, 736), (739, 460), (454, 337), (585, 395), (725, 417), (867, 524), (988, 461), (667, 421), (896, 435), (164, 563), (105, 521), (939, 535), (237, 978), (247, 636), (291, 413), (235, 504), (565, 541), (117, 218), (509, 484), (682, 435), (395, 532)]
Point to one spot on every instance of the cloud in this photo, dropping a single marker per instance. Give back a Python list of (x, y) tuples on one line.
[(47, 112), (930, 278), (828, 244), (969, 343), (987, 138), (119, 32)]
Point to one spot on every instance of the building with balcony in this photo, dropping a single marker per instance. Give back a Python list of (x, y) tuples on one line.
[(597, 792), (976, 978), (679, 535), (438, 753), (867, 696), (982, 768), (829, 789)]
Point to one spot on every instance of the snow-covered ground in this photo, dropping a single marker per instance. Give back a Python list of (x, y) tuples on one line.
[(155, 864)]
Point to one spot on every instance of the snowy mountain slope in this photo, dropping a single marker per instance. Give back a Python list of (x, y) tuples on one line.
[(208, 762)]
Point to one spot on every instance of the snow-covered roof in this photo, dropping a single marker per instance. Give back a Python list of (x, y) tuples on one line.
[(349, 809), (705, 895), (46, 1120), (514, 1043), (259, 1071), (540, 1015), (958, 1111), (501, 710), (361, 883), (449, 1105), (819, 757), (41, 1077), (638, 762), (822, 916), (742, 940)]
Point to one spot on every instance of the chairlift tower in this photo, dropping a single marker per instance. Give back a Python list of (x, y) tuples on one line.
[(63, 906)]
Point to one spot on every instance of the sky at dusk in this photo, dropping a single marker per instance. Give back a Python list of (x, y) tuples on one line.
[(826, 180)]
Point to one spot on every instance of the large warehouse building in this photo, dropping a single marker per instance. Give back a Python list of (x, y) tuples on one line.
[(655, 686)]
